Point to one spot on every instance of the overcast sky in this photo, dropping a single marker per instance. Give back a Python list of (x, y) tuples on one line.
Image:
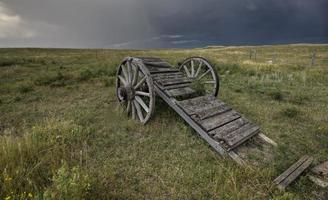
[(160, 23)]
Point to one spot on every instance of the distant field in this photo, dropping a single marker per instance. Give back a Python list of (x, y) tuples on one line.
[(63, 135)]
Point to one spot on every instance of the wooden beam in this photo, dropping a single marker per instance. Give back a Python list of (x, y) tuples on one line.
[(288, 176)]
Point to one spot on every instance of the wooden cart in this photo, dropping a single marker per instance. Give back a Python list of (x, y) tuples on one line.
[(191, 90)]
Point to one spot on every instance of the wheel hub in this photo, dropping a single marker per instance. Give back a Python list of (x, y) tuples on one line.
[(126, 93)]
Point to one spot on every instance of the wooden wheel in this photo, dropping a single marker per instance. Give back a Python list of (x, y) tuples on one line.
[(135, 90), (204, 76)]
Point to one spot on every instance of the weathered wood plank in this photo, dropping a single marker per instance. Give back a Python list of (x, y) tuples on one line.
[(161, 64), (292, 168), (168, 75), (239, 136), (267, 139), (228, 128), (180, 92), (293, 172), (176, 86), (210, 111), (174, 81), (219, 120), (216, 145), (195, 105), (154, 70)]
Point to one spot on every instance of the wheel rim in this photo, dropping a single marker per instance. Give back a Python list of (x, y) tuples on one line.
[(202, 73), (134, 89)]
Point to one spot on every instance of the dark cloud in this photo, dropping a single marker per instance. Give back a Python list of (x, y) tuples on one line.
[(165, 23)]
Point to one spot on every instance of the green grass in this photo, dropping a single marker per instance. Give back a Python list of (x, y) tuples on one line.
[(64, 136)]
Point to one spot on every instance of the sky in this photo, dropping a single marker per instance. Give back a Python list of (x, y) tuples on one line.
[(139, 24)]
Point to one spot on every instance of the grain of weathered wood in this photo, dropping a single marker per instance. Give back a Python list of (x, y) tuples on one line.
[(228, 128), (160, 64), (180, 92), (174, 81), (219, 120), (196, 100), (174, 86), (210, 111), (216, 145), (267, 139), (155, 70), (293, 172), (290, 169), (195, 105), (240, 135), (168, 76)]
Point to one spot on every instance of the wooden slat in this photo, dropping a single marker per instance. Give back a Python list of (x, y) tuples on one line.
[(293, 172), (210, 111), (154, 70), (237, 137), (176, 86), (219, 120), (228, 128), (174, 81), (157, 64), (195, 105), (168, 75), (216, 145), (180, 92)]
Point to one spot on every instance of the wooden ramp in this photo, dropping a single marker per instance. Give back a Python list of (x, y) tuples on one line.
[(220, 125)]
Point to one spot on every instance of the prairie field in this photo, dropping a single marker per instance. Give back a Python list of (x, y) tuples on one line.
[(63, 134)]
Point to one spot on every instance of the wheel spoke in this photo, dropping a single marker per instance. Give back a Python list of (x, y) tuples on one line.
[(209, 82), (122, 80), (129, 72), (201, 76), (135, 77), (142, 103), (143, 93), (192, 68), (198, 69), (187, 71), (124, 72), (128, 107), (140, 83), (139, 112)]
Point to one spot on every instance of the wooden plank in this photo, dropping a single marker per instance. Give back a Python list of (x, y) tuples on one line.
[(214, 144), (196, 105), (228, 128), (292, 168), (161, 70), (180, 92), (219, 120), (176, 86), (293, 172), (239, 136), (196, 100), (157, 64), (168, 75), (267, 139), (210, 111), (174, 81)]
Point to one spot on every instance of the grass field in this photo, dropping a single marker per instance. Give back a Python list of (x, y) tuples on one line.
[(63, 135)]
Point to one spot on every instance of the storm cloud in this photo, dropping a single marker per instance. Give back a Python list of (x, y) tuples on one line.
[(160, 24)]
